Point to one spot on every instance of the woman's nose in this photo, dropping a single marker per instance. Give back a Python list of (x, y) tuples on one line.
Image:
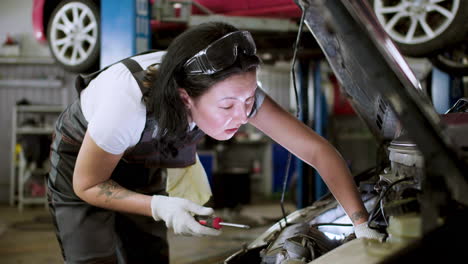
[(241, 115)]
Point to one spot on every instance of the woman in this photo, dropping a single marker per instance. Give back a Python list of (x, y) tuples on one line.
[(111, 146)]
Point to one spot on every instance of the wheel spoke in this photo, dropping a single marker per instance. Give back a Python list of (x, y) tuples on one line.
[(410, 34), (83, 14), (62, 28), (64, 48), (391, 23), (81, 51), (74, 55), (89, 27), (65, 20), (62, 41), (437, 1), (75, 15), (441, 10), (427, 29), (390, 9), (91, 40)]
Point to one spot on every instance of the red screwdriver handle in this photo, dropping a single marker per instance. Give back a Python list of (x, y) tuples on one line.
[(208, 221)]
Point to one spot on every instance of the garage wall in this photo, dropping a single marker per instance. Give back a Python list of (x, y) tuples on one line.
[(36, 83), (16, 20), (275, 81), (31, 76)]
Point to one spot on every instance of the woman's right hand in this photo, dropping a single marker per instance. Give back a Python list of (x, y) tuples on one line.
[(178, 215)]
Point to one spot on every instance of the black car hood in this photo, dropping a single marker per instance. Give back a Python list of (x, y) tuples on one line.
[(382, 88)]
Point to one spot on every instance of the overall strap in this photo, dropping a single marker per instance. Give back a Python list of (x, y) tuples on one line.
[(82, 80), (137, 72)]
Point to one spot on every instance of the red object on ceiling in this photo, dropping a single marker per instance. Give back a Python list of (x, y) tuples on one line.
[(341, 105)]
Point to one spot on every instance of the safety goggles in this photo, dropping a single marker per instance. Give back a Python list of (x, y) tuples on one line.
[(220, 54)]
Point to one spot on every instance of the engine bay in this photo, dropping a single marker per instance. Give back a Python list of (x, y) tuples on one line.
[(392, 196)]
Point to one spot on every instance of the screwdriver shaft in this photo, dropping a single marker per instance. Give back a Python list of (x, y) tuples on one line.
[(234, 225), (216, 222)]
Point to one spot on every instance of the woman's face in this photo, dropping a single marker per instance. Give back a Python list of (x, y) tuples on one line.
[(225, 106)]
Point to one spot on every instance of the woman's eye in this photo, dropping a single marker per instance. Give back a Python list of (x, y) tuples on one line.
[(226, 107)]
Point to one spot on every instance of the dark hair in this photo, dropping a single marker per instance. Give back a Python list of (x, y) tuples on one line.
[(163, 97)]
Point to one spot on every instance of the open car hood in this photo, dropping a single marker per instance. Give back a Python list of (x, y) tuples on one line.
[(382, 88)]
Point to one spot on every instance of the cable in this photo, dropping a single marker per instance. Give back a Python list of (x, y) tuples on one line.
[(383, 212), (330, 224), (298, 112), (288, 164), (373, 214)]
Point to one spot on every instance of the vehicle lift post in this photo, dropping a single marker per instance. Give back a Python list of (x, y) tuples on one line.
[(125, 29), (445, 90)]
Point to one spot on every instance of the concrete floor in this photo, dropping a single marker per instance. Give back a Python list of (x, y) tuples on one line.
[(28, 237)]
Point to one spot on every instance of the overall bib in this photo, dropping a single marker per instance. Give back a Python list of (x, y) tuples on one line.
[(89, 234)]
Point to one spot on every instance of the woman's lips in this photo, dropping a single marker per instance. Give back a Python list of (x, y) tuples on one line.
[(231, 130)]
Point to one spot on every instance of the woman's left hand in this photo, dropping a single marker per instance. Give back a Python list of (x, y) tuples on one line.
[(363, 230)]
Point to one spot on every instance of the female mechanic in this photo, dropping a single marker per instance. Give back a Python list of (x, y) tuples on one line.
[(134, 119)]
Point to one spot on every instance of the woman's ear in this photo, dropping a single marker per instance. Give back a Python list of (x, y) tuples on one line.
[(185, 98)]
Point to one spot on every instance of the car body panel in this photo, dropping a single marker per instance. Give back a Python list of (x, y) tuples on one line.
[(37, 20)]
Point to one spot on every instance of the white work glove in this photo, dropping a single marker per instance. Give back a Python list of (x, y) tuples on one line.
[(177, 213), (363, 230)]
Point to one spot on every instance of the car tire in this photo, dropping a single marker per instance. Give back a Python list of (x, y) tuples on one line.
[(453, 61), (423, 28), (73, 33)]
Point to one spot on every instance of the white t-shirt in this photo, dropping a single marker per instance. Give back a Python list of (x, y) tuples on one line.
[(112, 104)]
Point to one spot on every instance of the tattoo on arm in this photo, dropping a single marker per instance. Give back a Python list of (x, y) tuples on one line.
[(358, 215), (112, 190)]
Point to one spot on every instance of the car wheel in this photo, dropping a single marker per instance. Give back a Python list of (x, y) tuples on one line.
[(453, 61), (74, 35), (423, 27)]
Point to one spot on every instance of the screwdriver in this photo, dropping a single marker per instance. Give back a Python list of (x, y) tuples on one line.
[(216, 222)]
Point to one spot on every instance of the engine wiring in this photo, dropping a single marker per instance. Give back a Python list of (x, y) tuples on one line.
[(330, 224), (298, 113), (379, 205)]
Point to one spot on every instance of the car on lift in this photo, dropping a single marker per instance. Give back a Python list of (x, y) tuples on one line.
[(417, 192), (433, 29), (72, 27)]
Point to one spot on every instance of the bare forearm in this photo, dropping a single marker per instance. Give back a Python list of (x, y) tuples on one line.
[(339, 180), (316, 151), (319, 153), (110, 195)]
